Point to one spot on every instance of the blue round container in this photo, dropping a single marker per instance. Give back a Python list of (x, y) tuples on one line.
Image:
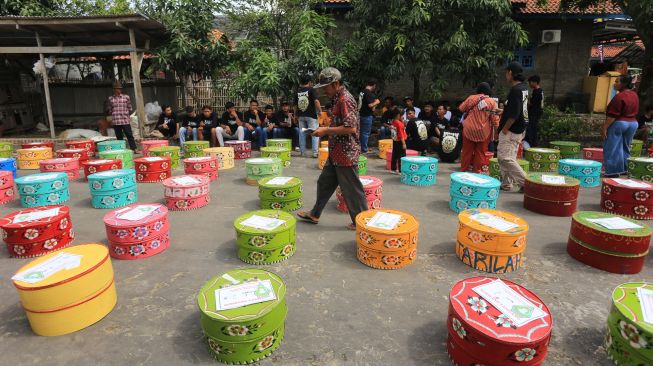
[(111, 145), (111, 180), (41, 183), (44, 199), (116, 198), (419, 170), (474, 186), (458, 204), (8, 164), (588, 172), (418, 179)]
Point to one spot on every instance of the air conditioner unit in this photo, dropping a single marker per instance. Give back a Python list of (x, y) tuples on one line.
[(551, 36)]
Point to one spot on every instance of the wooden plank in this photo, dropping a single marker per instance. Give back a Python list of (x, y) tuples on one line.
[(136, 59), (70, 49), (46, 86)]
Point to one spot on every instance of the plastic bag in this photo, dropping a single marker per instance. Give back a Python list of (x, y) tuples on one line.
[(78, 133), (153, 111)]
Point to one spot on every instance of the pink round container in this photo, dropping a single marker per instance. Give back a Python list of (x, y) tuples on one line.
[(388, 157), (186, 192), (373, 187), (146, 145)]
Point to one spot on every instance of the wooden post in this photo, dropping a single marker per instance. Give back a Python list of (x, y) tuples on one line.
[(46, 87), (136, 59)]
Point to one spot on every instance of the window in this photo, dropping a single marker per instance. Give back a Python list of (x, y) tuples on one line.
[(526, 56)]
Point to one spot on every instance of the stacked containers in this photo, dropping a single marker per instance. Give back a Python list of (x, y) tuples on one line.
[(87, 145), (242, 149), (205, 165), (246, 333), (194, 149), (588, 172), (30, 158), (7, 191), (187, 192), (69, 166), (495, 170), (37, 231), (593, 153), (110, 145), (280, 193), (491, 241), (388, 157), (496, 322), (373, 188), (471, 190), (277, 152), (96, 166), (113, 188), (79, 154), (322, 157), (627, 197), (225, 156), (419, 170), (147, 145), (608, 242), (259, 168), (553, 195), (630, 330), (30, 145), (636, 148), (384, 146), (362, 165), (641, 168), (152, 169), (8, 164), (126, 156), (265, 236), (43, 189), (6, 149), (568, 149), (66, 291), (386, 239), (137, 231), (285, 143), (542, 160), (170, 151)]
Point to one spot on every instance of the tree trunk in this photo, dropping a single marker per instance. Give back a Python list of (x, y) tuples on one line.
[(646, 84), (417, 75), (184, 101)]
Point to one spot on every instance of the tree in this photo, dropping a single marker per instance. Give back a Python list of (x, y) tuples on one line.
[(447, 38), (283, 39), (641, 12), (64, 7)]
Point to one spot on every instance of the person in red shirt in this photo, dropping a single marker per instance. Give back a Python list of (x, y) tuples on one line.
[(619, 127), (398, 133)]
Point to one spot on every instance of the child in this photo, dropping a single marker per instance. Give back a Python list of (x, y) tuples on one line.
[(398, 133)]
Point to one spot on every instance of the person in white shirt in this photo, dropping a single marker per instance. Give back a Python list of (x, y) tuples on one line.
[(408, 103)]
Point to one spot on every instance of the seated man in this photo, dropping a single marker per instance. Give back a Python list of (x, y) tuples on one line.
[(208, 123), (451, 140), (255, 121), (438, 124), (386, 118), (286, 125), (231, 125), (190, 125), (645, 124), (417, 133), (167, 123)]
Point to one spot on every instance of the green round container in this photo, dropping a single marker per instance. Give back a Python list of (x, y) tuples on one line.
[(286, 196), (285, 143), (259, 246), (636, 147), (568, 149), (248, 333), (541, 155), (277, 152), (195, 149), (127, 157), (543, 167), (6, 154), (6, 149), (495, 171), (171, 151), (362, 165), (641, 168), (259, 168)]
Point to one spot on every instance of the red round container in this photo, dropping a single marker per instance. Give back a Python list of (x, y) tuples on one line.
[(73, 153), (550, 199), (144, 249), (607, 241), (388, 157), (29, 145), (373, 188), (86, 145), (153, 177), (136, 223), (69, 166), (202, 164), (485, 168), (479, 329), (7, 195), (627, 197), (593, 153), (242, 149), (152, 164), (6, 179), (96, 166), (605, 262), (186, 192), (36, 231), (147, 145), (550, 208)]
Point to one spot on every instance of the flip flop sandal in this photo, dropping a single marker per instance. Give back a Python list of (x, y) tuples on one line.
[(305, 216), (351, 227)]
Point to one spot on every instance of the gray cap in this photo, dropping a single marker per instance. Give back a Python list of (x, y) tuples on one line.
[(328, 76)]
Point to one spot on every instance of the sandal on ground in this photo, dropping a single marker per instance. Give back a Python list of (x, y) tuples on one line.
[(351, 227), (306, 216)]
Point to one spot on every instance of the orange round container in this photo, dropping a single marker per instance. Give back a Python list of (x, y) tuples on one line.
[(386, 239)]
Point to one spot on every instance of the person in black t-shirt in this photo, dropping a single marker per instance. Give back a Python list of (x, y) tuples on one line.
[(167, 123), (438, 124), (286, 125), (190, 126), (417, 132), (208, 123), (514, 119), (427, 114), (231, 125), (256, 120), (451, 139), (535, 110), (269, 120), (386, 118), (645, 124), (367, 101), (307, 108)]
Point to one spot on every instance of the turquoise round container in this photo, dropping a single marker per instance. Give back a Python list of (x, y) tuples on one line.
[(419, 170), (588, 172), (474, 186), (115, 198), (111, 145), (458, 204), (42, 183), (44, 199), (8, 164), (111, 180)]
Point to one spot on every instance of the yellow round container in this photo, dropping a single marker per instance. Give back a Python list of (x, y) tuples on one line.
[(324, 143), (386, 248), (225, 156), (30, 158), (67, 290), (384, 146), (322, 157)]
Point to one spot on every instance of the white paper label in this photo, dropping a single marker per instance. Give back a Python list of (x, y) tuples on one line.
[(137, 213), (245, 294), (263, 223), (279, 181), (553, 179), (492, 221), (227, 277), (646, 302), (153, 158), (384, 220), (40, 177), (615, 223), (645, 160), (519, 309), (48, 268), (185, 181), (473, 178), (33, 216), (365, 181), (631, 183), (580, 162)]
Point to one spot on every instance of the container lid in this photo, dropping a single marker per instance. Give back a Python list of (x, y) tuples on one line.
[(369, 181), (116, 152), (638, 229), (324, 149), (215, 149), (152, 159), (262, 161), (100, 162), (474, 179), (72, 151), (517, 304), (41, 177), (580, 162), (35, 216), (542, 150), (564, 143), (636, 141), (519, 161), (279, 182), (395, 222), (59, 161), (186, 181), (134, 215), (641, 160), (274, 149), (629, 183), (592, 149), (44, 149), (234, 142), (200, 159), (626, 299), (552, 179), (419, 159), (108, 174), (264, 222), (279, 140), (164, 148), (61, 266), (360, 157), (153, 142), (111, 142), (196, 142), (493, 221), (2, 160), (208, 304)]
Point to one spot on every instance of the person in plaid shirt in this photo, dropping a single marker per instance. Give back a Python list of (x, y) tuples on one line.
[(341, 168), (119, 108)]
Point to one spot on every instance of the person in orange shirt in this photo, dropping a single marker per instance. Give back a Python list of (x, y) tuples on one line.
[(478, 124), (398, 133)]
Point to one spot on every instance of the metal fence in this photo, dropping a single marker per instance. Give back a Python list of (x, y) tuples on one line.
[(215, 93)]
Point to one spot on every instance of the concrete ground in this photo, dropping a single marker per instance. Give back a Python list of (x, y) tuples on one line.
[(340, 311)]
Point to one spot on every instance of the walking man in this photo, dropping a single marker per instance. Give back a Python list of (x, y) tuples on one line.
[(341, 168), (120, 107), (511, 128)]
